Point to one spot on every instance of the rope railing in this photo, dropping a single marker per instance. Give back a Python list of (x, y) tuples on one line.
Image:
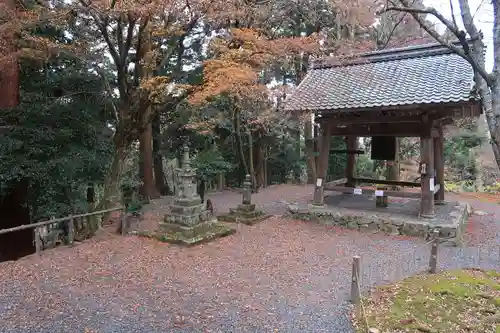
[(61, 219)]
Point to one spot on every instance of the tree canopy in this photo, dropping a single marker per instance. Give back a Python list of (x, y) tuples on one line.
[(103, 94)]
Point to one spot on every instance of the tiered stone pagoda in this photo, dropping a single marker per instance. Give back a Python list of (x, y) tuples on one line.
[(189, 222), (245, 212)]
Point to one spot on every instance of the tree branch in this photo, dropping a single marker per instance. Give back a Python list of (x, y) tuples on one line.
[(187, 29), (128, 42), (391, 33), (496, 38), (463, 52), (119, 33)]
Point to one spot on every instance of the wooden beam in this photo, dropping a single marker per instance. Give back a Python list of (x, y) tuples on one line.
[(387, 182), (347, 151), (336, 182), (412, 129), (370, 192), (454, 109), (373, 119)]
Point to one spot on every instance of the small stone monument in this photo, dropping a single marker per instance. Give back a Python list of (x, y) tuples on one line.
[(189, 222), (245, 212)]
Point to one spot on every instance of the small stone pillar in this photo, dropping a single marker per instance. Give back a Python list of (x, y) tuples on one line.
[(246, 212), (247, 191)]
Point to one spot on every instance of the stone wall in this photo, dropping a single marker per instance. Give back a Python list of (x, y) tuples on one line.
[(450, 229)]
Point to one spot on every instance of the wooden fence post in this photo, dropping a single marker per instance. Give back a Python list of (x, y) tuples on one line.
[(434, 252), (38, 241), (356, 269), (71, 230)]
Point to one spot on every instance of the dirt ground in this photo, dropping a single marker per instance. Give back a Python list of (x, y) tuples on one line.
[(280, 275)]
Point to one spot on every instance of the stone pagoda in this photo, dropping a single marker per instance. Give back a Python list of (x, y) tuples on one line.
[(189, 222), (245, 212)]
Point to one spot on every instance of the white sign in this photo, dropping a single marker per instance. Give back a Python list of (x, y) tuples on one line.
[(319, 182), (379, 193), (431, 184), (358, 191)]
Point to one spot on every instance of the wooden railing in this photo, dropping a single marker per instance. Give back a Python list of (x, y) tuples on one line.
[(70, 220)]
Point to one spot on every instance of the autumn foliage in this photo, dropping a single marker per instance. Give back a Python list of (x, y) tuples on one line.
[(240, 58)]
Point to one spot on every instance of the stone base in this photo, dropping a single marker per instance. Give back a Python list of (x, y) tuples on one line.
[(451, 227), (188, 236), (313, 206), (244, 213), (188, 213)]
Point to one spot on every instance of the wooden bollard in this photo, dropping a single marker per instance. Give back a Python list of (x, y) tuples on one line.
[(356, 269), (434, 252), (71, 230), (38, 241)]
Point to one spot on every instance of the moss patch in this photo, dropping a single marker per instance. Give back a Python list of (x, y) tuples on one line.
[(450, 302)]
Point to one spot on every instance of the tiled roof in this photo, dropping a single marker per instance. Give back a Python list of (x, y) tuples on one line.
[(424, 74)]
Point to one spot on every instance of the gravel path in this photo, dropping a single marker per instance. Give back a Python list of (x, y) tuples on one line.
[(278, 276)]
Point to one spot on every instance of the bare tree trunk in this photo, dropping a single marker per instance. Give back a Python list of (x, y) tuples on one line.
[(148, 188), (112, 191), (490, 93), (160, 183), (488, 85), (9, 84), (259, 170), (492, 123), (239, 141), (251, 166)]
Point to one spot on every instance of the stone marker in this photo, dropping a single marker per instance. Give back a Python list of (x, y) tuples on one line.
[(245, 212), (189, 222)]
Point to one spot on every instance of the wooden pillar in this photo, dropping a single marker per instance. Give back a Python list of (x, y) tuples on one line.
[(352, 144), (427, 176), (439, 165), (309, 145), (326, 140)]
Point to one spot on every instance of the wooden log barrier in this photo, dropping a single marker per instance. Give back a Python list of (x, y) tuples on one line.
[(387, 182), (370, 192)]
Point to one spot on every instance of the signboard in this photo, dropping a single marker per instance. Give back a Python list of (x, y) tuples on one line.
[(379, 193), (319, 182), (431, 184), (358, 191)]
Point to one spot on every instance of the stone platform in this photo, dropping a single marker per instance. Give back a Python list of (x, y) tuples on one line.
[(189, 236), (244, 213), (399, 218)]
